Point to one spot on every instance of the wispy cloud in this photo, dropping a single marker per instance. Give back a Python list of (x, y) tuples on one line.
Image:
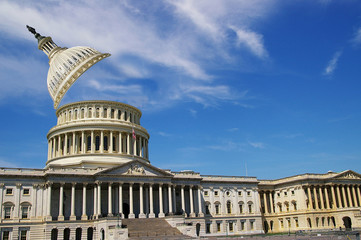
[(164, 134), (356, 40), (259, 145), (232, 129), (332, 64)]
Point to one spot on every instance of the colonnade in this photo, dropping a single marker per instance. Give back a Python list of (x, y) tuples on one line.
[(145, 203), (98, 110), (268, 201), (101, 141), (333, 196)]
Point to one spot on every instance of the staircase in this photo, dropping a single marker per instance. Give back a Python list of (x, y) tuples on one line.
[(152, 228)]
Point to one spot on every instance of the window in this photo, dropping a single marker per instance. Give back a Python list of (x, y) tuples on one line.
[(228, 193), (6, 235), (293, 192), (218, 227), (23, 234), (215, 193), (252, 225), (240, 208), (285, 193), (24, 211), (278, 194), (229, 207), (208, 228), (281, 223), (248, 193), (106, 143), (205, 193), (289, 222), (217, 207), (89, 143), (250, 207), (230, 225), (9, 191), (296, 222), (207, 209), (97, 143), (7, 212), (239, 193), (242, 226), (26, 191)]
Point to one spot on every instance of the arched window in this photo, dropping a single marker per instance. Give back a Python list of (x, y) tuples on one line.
[(125, 116), (90, 113), (114, 143), (54, 234), (78, 234), (294, 203), (90, 233), (130, 117), (82, 113), (97, 110), (97, 143), (119, 114), (112, 113), (279, 206), (102, 234), (67, 234), (75, 114), (217, 208), (105, 111), (207, 207), (106, 144), (309, 223), (89, 143), (8, 208), (287, 205)]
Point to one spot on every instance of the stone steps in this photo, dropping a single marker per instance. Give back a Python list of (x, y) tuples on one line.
[(151, 228)]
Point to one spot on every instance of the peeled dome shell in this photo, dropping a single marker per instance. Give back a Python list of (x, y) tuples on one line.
[(66, 66)]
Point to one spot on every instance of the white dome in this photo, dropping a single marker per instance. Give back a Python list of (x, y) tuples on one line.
[(66, 66)]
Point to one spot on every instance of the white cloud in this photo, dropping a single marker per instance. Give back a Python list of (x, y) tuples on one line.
[(259, 145), (357, 38), (332, 64), (180, 42)]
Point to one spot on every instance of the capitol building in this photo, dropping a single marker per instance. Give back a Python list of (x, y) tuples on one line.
[(98, 181)]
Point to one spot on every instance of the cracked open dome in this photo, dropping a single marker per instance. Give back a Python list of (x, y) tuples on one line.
[(66, 65)]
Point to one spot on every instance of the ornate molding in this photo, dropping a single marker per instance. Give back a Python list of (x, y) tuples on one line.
[(135, 170)]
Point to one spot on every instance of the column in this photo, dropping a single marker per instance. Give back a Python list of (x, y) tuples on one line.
[(151, 210), (110, 205), (59, 145), (265, 202), (327, 198), (339, 197), (350, 204), (192, 214), (17, 201), (170, 199), (354, 196), (120, 143), (174, 199), (99, 207), (120, 192), (111, 142), (83, 143), (33, 207), (200, 213), (65, 145), (344, 196), (61, 199), (271, 201), (321, 198), (146, 201), (140, 147), (84, 216), (72, 206), (92, 140), (95, 212), (54, 148), (128, 143), (131, 210), (1, 197), (134, 146), (48, 209), (74, 143), (334, 204), (359, 195), (182, 199), (315, 197), (101, 147), (141, 207), (49, 148), (161, 213), (310, 204)]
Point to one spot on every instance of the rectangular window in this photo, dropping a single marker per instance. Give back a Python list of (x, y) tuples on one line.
[(217, 208), (7, 212), (252, 225), (278, 194), (241, 208), (6, 235), (296, 222), (218, 227), (215, 193), (208, 228), (242, 226), (23, 235), (239, 193), (293, 192), (207, 209), (248, 193), (250, 208), (24, 212), (205, 193), (26, 191), (285, 193), (230, 226), (9, 191), (281, 223)]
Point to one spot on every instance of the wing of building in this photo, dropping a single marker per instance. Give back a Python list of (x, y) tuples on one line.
[(98, 182)]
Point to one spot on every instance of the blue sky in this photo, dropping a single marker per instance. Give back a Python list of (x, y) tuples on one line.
[(264, 88)]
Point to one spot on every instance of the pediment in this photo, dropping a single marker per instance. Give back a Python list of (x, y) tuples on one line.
[(135, 168), (348, 175)]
